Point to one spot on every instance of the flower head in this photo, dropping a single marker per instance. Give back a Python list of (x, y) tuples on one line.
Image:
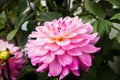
[(15, 63), (62, 46)]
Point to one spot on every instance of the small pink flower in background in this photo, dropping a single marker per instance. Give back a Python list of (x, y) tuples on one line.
[(16, 62), (62, 46)]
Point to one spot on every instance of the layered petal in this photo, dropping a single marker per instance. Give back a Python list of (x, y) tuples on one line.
[(55, 68), (65, 59)]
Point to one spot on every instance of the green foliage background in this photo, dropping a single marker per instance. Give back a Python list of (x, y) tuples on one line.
[(103, 14)]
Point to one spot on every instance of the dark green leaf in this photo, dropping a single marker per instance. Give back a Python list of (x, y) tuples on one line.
[(3, 33), (22, 8), (102, 27), (48, 16), (116, 16), (115, 2), (94, 9), (18, 23), (43, 76), (90, 75), (106, 73), (12, 34), (2, 23)]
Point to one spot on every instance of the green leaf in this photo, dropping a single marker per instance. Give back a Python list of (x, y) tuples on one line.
[(85, 18), (18, 23), (102, 27), (115, 2), (48, 16), (43, 76), (11, 35), (90, 75), (106, 73), (95, 9), (2, 23), (118, 37), (116, 16), (3, 33), (22, 8)]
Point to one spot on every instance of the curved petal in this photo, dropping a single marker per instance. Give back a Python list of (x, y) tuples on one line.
[(36, 51), (65, 59), (70, 35), (75, 72), (81, 43), (48, 58), (75, 52), (41, 67), (65, 71), (35, 60), (67, 47), (76, 39), (59, 52), (86, 59), (55, 68), (52, 47), (74, 65), (89, 49)]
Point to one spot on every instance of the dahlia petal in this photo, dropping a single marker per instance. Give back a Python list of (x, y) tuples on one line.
[(70, 35), (41, 67), (67, 47), (94, 40), (89, 49), (81, 43), (86, 59), (75, 72), (34, 61), (88, 36), (75, 52), (38, 42), (64, 42), (59, 52), (48, 58), (52, 47), (37, 52), (76, 39), (65, 59), (90, 28), (65, 71), (55, 68), (80, 31), (74, 65)]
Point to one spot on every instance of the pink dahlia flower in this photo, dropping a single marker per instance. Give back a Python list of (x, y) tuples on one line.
[(62, 46), (16, 62)]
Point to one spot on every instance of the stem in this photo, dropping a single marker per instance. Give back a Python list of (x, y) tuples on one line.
[(3, 76), (8, 70)]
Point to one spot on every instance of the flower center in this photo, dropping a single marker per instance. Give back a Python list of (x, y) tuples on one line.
[(59, 39)]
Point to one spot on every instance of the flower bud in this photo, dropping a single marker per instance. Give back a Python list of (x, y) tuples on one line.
[(4, 55)]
